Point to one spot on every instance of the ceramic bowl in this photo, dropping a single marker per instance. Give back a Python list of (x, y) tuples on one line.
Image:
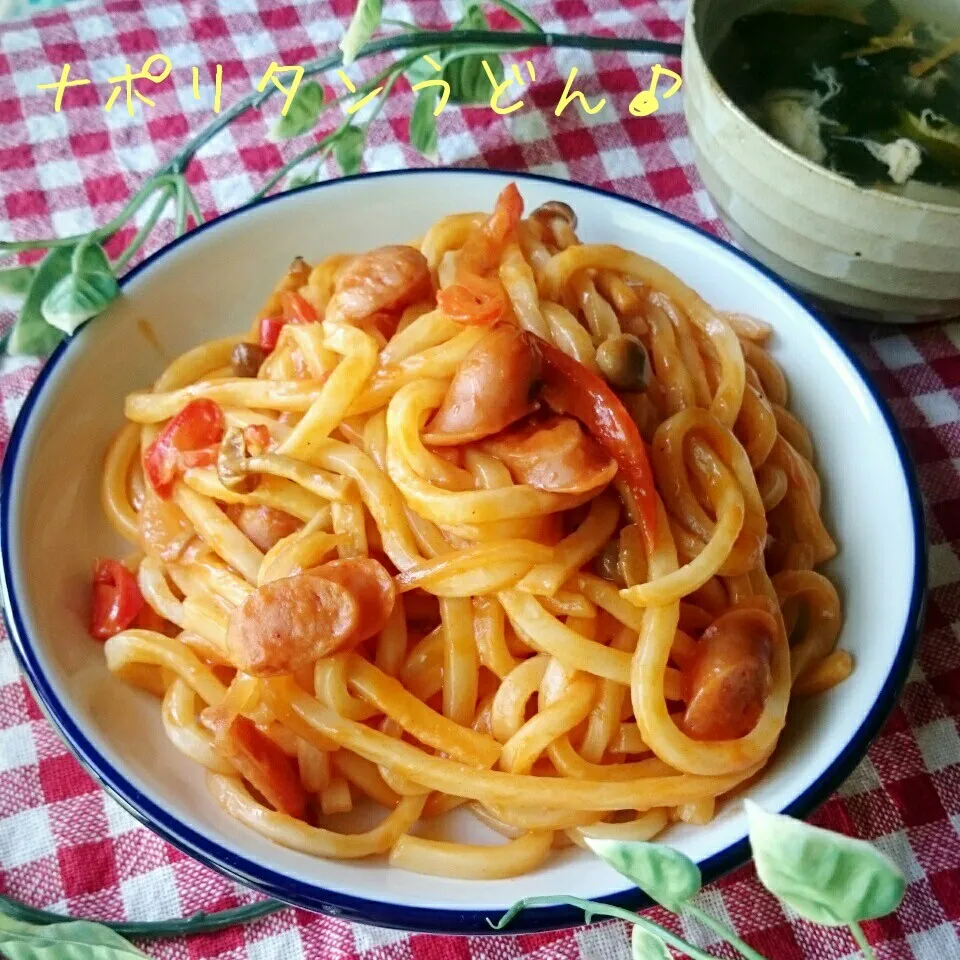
[(209, 284), (859, 252)]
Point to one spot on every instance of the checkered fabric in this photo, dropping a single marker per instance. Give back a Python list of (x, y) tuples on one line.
[(64, 844)]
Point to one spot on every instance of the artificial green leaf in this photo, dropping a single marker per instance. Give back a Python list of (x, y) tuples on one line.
[(77, 298), (659, 871), (303, 113), (31, 334), (349, 149), (469, 83), (423, 124), (302, 179), (366, 19), (91, 257), (86, 291), (421, 69), (646, 946), (826, 877), (15, 281), (468, 80), (73, 940)]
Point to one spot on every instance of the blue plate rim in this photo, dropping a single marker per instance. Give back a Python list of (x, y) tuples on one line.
[(432, 919)]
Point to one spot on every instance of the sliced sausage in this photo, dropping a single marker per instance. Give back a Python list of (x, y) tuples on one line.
[(729, 678)]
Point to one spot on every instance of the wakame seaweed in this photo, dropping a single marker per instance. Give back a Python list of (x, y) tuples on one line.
[(881, 16), (778, 49), (855, 90)]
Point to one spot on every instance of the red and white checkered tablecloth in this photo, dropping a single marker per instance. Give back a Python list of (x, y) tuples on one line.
[(64, 844)]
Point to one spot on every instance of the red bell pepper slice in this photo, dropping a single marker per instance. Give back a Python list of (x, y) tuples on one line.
[(297, 309), (116, 599), (149, 619), (270, 328), (506, 215), (188, 440), (569, 387), (265, 766), (476, 300)]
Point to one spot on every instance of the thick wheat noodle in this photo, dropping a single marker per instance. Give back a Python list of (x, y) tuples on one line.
[(544, 632), (509, 705), (550, 722), (729, 394), (181, 726), (490, 637), (668, 362), (689, 346), (447, 235), (756, 426), (312, 721), (313, 766), (567, 333), (606, 595), (604, 718), (114, 491), (650, 706), (469, 861), (320, 284), (289, 832), (574, 550), (392, 641), (644, 827), (453, 507), (359, 351), (441, 360), (422, 460), (218, 532), (156, 591), (300, 551), (511, 818), (204, 619), (512, 831), (566, 603), (294, 396), (330, 687), (539, 662), (520, 283), (417, 718), (823, 616), (366, 777)]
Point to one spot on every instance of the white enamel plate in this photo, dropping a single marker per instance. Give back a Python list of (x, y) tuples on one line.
[(209, 284)]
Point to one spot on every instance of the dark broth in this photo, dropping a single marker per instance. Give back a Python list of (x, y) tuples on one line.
[(854, 88)]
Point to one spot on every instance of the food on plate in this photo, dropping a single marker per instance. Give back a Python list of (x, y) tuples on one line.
[(496, 520)]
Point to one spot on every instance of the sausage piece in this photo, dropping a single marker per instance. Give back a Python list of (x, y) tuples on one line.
[(728, 681), (554, 454), (290, 623), (372, 586), (493, 388), (263, 526), (388, 278)]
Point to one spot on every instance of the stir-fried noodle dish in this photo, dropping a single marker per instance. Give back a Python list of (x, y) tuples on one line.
[(495, 520)]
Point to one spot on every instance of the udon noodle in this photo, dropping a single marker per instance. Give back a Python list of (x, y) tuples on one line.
[(494, 520)]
